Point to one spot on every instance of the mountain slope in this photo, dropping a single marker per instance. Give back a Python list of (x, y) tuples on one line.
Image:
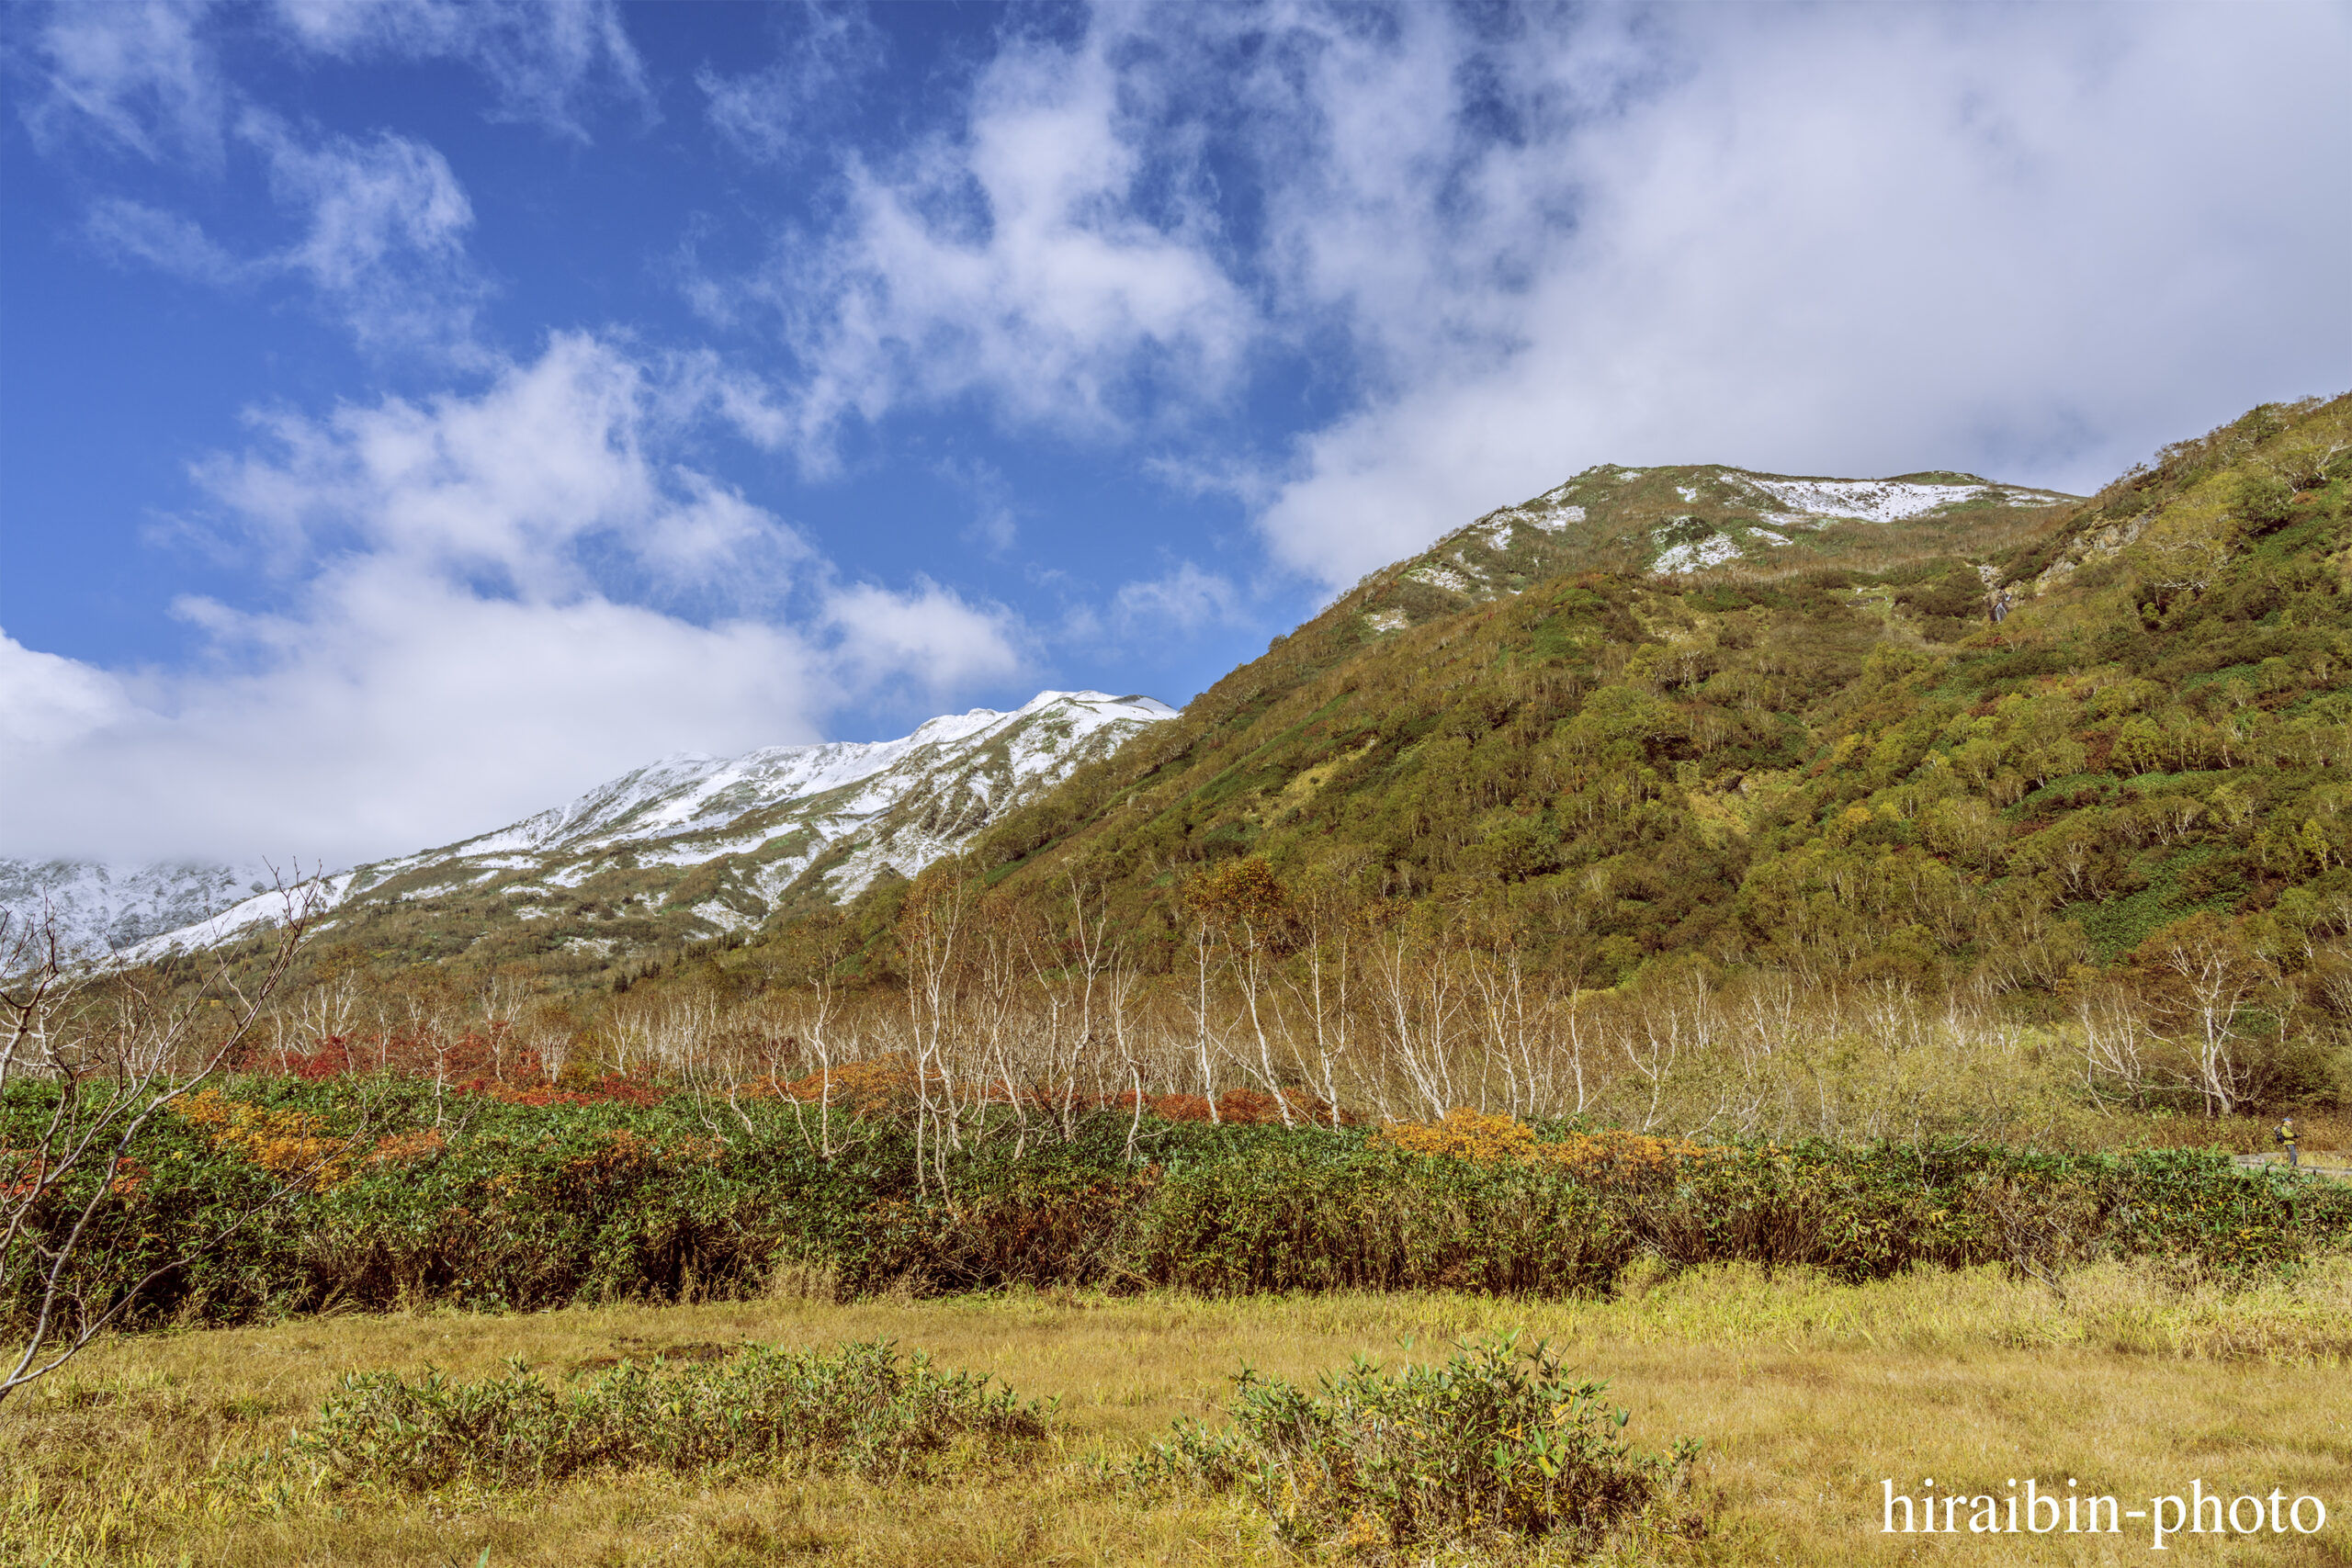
[(694, 846), (1846, 777), (98, 908)]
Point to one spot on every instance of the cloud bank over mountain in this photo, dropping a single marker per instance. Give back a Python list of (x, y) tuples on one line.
[(1831, 239), (442, 406), (475, 595)]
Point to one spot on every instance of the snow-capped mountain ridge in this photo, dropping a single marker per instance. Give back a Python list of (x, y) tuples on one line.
[(97, 907), (1694, 518), (823, 819), (695, 793)]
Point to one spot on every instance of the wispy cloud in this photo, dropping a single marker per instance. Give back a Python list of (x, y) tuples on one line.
[(549, 60), (384, 219), (137, 76), (1181, 599), (384, 241), (776, 113), (146, 76), (996, 521), (133, 231), (382, 244)]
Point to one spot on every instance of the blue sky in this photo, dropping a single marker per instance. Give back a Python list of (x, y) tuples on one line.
[(412, 413)]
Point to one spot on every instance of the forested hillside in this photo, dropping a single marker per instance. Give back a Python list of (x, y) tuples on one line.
[(2141, 773)]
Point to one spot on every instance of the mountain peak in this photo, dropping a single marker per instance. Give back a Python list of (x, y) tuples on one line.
[(1680, 519), (686, 845)]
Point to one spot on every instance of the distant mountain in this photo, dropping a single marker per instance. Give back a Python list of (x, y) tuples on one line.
[(1702, 518), (690, 846), (98, 908)]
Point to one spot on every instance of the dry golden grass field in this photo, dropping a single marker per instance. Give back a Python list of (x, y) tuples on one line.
[(1806, 1393)]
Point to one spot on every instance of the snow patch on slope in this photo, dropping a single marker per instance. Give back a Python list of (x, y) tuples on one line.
[(1713, 550), (262, 912), (1887, 501)]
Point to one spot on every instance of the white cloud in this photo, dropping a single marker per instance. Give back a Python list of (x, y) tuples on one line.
[(1850, 242), (1016, 261), (47, 701), (476, 622), (384, 241), (504, 485), (930, 640)]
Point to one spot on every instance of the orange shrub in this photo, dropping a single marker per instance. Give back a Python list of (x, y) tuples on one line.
[(283, 1142), (883, 1083), (1591, 1158)]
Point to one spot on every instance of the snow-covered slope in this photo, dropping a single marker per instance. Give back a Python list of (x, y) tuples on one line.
[(98, 908), (690, 845), (843, 810), (1693, 519)]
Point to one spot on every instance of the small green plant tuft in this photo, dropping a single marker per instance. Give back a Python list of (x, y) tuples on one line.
[(1496, 1448), (861, 1408)]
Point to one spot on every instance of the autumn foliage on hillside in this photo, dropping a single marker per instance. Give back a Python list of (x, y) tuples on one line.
[(2121, 808), (2049, 841)]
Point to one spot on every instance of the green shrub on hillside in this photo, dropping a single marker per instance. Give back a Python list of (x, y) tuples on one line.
[(1318, 1211)]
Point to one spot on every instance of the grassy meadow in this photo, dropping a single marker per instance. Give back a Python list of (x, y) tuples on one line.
[(1806, 1393), (338, 1382)]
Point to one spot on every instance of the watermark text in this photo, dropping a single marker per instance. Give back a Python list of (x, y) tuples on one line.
[(2032, 1508)]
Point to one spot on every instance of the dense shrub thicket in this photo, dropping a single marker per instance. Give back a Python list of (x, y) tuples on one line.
[(394, 1196)]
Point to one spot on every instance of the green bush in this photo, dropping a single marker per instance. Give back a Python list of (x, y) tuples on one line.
[(1323, 1211), (861, 1409), (524, 1207), (1496, 1446)]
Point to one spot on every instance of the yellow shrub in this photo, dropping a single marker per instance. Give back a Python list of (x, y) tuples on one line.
[(283, 1142), (1484, 1139)]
